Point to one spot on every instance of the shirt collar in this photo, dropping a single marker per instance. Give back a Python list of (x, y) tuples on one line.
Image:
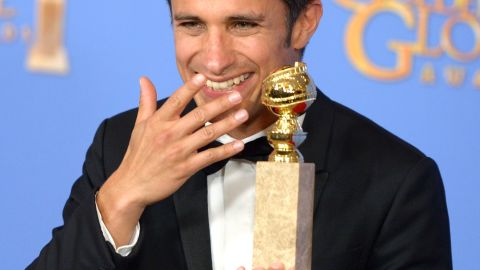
[(227, 139)]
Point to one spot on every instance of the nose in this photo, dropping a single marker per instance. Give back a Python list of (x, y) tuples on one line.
[(219, 52)]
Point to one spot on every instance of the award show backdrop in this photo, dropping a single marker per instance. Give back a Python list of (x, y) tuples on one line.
[(411, 66)]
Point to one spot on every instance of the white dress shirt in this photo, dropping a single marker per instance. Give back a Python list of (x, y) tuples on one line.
[(231, 209)]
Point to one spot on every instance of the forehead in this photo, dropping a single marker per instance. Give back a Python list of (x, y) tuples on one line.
[(226, 8)]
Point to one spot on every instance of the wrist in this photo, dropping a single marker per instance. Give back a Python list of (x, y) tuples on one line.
[(120, 210)]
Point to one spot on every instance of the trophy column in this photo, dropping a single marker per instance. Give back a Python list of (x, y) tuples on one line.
[(285, 185)]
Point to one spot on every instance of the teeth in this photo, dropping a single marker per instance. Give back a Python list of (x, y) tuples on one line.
[(226, 85)]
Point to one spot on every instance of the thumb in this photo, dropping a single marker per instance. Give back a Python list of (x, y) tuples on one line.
[(148, 100)]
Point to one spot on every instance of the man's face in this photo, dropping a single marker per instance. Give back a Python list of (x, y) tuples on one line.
[(235, 44)]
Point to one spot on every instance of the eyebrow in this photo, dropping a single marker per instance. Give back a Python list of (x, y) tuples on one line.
[(247, 17), (186, 17), (241, 17)]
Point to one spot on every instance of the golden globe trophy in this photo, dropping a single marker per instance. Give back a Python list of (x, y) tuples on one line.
[(285, 185)]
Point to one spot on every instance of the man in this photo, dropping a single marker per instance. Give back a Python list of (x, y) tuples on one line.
[(145, 200)]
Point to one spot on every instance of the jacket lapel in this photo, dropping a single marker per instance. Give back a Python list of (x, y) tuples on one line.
[(318, 123), (191, 206)]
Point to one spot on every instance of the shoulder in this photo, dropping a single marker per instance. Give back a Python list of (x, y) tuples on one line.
[(355, 132), (384, 186), (361, 150)]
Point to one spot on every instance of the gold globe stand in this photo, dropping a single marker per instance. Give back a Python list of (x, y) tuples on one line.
[(285, 185)]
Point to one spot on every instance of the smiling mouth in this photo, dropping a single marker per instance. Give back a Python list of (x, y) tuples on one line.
[(227, 85)]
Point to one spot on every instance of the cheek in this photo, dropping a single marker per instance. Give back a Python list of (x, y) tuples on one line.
[(267, 52), (257, 49), (183, 51)]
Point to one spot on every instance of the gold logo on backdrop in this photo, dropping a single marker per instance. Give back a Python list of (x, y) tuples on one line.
[(416, 15), (9, 32), (428, 74), (48, 53), (455, 76), (476, 79), (6, 12)]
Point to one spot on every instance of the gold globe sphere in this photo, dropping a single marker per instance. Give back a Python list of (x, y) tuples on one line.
[(289, 87), (288, 92)]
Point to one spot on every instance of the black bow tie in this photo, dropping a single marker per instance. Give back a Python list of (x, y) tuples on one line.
[(256, 150)]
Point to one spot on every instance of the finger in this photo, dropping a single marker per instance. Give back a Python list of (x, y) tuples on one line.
[(200, 115), (241, 268), (212, 155), (277, 266), (176, 103), (209, 133), (148, 100)]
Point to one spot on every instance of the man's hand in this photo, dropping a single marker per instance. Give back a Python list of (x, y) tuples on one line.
[(274, 266), (162, 153)]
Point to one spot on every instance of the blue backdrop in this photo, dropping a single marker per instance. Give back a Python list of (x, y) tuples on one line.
[(48, 121)]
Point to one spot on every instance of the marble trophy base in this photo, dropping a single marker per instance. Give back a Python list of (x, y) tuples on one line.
[(284, 214)]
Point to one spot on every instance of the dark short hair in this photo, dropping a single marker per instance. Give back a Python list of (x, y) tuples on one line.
[(294, 9)]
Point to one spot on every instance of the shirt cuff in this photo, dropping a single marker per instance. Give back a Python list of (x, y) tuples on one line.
[(122, 250)]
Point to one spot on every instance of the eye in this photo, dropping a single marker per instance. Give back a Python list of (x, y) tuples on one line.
[(244, 25), (191, 27), (192, 24), (244, 28)]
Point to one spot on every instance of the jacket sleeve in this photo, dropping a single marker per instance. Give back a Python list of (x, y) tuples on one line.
[(79, 243), (415, 233)]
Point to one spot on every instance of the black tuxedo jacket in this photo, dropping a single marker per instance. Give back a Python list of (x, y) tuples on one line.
[(379, 204)]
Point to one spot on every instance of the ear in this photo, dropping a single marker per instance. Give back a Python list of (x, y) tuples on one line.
[(306, 24)]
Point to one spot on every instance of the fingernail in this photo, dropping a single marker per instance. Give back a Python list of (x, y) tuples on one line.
[(238, 145), (140, 82), (234, 97), (198, 79), (241, 115)]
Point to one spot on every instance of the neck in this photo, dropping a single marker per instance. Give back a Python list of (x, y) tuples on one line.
[(255, 125)]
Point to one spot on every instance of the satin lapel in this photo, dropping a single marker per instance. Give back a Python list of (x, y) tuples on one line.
[(192, 214), (318, 123)]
